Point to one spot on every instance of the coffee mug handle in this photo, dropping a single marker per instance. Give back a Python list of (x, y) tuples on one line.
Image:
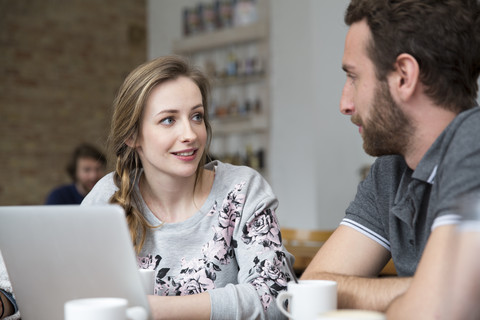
[(282, 296), (137, 313)]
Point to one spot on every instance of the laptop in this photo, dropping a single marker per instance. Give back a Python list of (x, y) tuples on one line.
[(58, 253)]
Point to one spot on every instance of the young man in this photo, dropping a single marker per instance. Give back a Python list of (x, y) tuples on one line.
[(412, 69), (86, 167)]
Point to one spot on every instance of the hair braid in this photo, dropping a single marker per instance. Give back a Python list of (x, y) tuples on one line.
[(125, 176)]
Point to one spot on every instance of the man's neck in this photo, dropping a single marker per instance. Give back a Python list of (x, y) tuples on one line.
[(429, 122)]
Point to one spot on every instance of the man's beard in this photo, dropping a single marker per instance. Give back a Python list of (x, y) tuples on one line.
[(388, 130)]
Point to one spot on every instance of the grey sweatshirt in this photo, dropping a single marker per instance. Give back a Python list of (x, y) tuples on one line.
[(231, 247)]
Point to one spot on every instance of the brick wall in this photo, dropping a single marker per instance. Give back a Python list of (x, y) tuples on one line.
[(61, 62)]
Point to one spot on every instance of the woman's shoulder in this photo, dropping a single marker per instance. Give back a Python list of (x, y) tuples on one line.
[(234, 177), (106, 181), (230, 172), (102, 191)]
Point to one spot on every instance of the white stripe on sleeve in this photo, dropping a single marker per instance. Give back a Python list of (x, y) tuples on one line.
[(369, 233), (445, 220)]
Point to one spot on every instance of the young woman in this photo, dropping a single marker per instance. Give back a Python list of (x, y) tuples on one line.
[(208, 230)]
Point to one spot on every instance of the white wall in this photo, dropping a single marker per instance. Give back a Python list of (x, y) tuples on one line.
[(315, 152)]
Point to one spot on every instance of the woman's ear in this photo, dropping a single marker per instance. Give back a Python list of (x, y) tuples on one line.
[(131, 141), (404, 79)]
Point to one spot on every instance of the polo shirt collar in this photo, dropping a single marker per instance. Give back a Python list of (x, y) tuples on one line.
[(413, 185)]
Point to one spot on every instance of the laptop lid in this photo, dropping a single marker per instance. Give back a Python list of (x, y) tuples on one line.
[(58, 253)]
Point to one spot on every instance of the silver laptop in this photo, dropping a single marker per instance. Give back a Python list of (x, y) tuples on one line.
[(57, 253)]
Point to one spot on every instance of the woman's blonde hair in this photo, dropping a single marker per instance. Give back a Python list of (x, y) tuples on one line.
[(129, 106)]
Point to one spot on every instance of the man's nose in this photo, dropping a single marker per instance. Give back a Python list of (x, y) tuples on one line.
[(346, 101)]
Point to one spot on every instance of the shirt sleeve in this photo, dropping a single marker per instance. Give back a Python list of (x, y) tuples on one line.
[(263, 261), (368, 213), (6, 289)]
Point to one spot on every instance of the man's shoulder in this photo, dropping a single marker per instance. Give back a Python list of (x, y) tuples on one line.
[(63, 188), (461, 136), (469, 120), (64, 194)]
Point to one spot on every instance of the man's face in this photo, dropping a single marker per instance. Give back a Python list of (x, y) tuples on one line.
[(89, 171), (387, 130), (384, 127)]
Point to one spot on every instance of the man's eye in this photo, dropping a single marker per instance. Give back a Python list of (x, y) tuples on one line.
[(351, 78)]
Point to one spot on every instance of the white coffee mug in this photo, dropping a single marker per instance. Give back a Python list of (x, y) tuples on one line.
[(308, 298), (148, 279), (103, 309)]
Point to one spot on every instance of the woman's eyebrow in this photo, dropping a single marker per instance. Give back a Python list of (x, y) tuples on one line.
[(176, 111)]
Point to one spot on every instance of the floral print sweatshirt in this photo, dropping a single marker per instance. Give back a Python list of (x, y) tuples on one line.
[(231, 247)]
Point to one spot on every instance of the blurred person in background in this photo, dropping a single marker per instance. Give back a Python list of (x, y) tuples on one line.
[(86, 167)]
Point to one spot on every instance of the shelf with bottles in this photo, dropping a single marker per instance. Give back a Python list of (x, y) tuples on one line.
[(236, 81), (233, 64), (217, 23), (215, 39), (239, 124), (245, 151), (239, 108)]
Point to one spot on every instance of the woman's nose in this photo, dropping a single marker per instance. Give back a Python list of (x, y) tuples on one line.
[(188, 134)]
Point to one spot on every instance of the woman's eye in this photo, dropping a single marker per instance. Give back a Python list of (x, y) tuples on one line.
[(197, 117), (167, 121)]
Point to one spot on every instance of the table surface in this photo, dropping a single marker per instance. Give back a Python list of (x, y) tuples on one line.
[(305, 253)]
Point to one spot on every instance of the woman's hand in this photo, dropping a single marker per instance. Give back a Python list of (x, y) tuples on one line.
[(6, 307)]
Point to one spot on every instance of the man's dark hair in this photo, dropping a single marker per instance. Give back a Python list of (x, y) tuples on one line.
[(84, 151), (442, 35)]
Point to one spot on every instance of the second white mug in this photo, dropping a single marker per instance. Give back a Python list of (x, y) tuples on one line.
[(308, 298), (103, 309), (148, 279)]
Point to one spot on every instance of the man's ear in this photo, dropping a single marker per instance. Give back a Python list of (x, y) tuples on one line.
[(404, 79)]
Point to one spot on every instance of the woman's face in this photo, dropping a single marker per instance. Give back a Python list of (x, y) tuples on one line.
[(172, 135)]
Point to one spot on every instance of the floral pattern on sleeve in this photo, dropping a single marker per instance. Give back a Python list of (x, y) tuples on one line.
[(271, 279), (264, 231)]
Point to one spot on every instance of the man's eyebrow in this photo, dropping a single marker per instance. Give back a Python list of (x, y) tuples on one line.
[(347, 67)]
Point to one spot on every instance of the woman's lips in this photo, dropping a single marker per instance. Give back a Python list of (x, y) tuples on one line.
[(186, 155)]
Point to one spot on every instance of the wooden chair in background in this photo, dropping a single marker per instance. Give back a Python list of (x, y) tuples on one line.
[(304, 244)]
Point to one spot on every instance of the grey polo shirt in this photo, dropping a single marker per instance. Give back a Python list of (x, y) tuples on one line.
[(399, 208)]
